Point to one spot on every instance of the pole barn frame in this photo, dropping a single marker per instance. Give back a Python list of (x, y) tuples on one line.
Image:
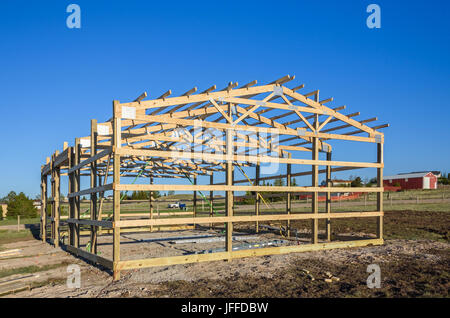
[(145, 138)]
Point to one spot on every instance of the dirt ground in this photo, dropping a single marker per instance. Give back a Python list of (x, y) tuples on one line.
[(414, 262)]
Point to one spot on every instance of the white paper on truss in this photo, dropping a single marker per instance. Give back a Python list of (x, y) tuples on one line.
[(128, 112), (103, 130), (85, 143)]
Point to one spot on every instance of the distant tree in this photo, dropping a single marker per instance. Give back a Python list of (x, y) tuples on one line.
[(279, 182), (294, 182), (443, 179), (248, 200), (357, 182), (171, 192), (140, 195), (11, 195), (21, 205), (156, 194)]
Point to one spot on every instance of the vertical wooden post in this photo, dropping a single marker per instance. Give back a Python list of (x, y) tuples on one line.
[(194, 205), (57, 205), (117, 114), (229, 194), (211, 199), (257, 197), (52, 202), (56, 198), (44, 206), (380, 194), (93, 203), (328, 198), (288, 196), (71, 199), (315, 180), (76, 188), (151, 203)]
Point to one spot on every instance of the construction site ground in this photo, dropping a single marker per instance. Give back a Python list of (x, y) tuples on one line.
[(414, 262)]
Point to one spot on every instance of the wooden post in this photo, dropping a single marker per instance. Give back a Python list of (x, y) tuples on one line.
[(76, 188), (257, 197), (211, 199), (380, 194), (229, 194), (71, 178), (151, 203), (56, 173), (117, 113), (18, 222), (52, 202), (194, 205), (57, 204), (328, 198), (44, 206), (93, 203), (315, 180), (288, 197)]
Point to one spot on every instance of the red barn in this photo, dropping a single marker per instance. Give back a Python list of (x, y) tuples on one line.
[(418, 180)]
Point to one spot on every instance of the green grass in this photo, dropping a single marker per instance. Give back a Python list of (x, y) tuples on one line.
[(22, 221), (28, 269), (11, 236)]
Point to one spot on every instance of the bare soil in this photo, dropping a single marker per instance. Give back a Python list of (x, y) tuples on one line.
[(414, 262)]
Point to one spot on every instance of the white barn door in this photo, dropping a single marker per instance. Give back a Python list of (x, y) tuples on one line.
[(426, 182)]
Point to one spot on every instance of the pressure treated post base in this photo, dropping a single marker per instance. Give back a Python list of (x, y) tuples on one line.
[(116, 275)]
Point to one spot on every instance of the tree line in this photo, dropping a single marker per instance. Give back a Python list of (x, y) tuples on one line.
[(19, 204)]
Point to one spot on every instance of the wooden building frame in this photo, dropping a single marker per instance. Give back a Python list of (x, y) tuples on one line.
[(206, 134)]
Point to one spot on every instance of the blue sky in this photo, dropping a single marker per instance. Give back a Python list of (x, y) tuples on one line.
[(53, 80)]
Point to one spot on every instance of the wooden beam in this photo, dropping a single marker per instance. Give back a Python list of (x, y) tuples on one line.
[(244, 218), (196, 258), (91, 257), (180, 187), (288, 197), (229, 192), (380, 194), (328, 199), (257, 195), (315, 183), (93, 184), (116, 193)]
